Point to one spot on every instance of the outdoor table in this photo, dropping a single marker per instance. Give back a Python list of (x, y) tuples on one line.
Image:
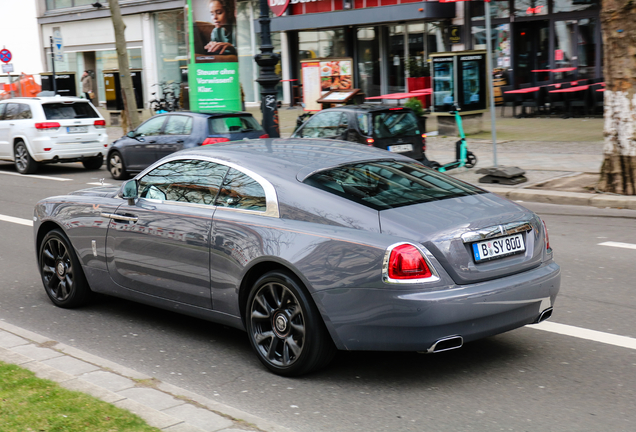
[(568, 92), (426, 91), (523, 90), (600, 89)]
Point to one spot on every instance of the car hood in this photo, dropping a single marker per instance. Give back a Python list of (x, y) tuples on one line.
[(439, 226), (101, 191)]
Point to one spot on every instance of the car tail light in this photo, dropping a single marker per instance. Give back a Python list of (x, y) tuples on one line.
[(264, 136), (215, 140), (100, 123), (423, 142), (47, 125), (395, 109), (370, 141), (547, 237), (407, 262)]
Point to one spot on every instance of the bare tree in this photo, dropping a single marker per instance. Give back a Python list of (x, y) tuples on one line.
[(130, 117), (618, 21)]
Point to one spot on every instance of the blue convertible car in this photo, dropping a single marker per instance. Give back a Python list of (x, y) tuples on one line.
[(308, 245)]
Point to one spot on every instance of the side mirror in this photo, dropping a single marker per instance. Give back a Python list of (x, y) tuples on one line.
[(130, 191), (132, 134)]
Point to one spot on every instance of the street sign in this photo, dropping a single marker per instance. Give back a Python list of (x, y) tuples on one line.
[(7, 68), (58, 45), (5, 55)]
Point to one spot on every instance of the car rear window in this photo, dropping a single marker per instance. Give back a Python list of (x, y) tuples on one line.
[(395, 123), (236, 124), (69, 110), (384, 185)]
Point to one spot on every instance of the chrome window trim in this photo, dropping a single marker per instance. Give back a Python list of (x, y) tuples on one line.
[(434, 277), (271, 199), (496, 231)]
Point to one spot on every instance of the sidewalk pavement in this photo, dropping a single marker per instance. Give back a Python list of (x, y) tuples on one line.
[(161, 405)]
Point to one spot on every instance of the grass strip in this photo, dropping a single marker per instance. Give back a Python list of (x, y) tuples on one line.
[(28, 403)]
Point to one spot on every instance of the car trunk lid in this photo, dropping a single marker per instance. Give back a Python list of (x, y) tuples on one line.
[(398, 130), (449, 229), (77, 120)]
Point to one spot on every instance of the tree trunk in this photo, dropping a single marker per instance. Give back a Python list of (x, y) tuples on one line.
[(618, 172), (130, 117)]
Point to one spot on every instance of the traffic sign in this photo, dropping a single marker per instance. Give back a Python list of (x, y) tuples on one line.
[(5, 55), (7, 68), (58, 45)]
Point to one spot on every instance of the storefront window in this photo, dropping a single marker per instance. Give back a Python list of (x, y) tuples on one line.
[(107, 60), (60, 4), (564, 43), (525, 8), (416, 65), (573, 5), (321, 44), (368, 56), (498, 9), (500, 44), (396, 59), (171, 47), (586, 48), (437, 37)]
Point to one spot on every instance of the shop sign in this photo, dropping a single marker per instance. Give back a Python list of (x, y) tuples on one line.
[(320, 76), (455, 34), (278, 7), (213, 73)]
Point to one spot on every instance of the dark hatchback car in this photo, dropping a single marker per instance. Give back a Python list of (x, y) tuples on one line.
[(164, 134), (396, 129)]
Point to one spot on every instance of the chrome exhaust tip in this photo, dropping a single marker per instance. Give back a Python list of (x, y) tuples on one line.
[(446, 344), (544, 315)]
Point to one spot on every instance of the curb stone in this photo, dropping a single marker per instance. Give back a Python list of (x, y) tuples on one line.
[(570, 198), (160, 404)]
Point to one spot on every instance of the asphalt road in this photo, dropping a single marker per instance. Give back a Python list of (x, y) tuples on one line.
[(529, 379)]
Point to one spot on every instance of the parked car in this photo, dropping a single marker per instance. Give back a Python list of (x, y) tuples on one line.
[(164, 134), (396, 129), (308, 245), (41, 130)]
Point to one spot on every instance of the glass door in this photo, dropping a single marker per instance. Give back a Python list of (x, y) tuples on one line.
[(368, 59), (396, 59), (532, 47)]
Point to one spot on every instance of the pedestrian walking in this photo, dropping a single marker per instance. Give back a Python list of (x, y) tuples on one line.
[(87, 85)]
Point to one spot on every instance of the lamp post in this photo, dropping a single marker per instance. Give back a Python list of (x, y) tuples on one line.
[(267, 78)]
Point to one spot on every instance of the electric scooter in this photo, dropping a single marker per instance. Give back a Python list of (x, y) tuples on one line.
[(463, 158)]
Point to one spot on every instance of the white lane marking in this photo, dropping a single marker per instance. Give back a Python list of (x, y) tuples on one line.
[(618, 245), (35, 176), (16, 220), (99, 184), (581, 333)]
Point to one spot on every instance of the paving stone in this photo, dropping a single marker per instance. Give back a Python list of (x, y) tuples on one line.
[(151, 397), (184, 427), (9, 340), (9, 356), (47, 372), (70, 365), (108, 380), (35, 352), (93, 390), (202, 418), (151, 416)]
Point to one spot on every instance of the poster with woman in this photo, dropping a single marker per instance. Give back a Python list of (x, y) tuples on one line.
[(213, 68)]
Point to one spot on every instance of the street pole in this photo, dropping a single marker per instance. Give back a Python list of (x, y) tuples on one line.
[(490, 85), (267, 78), (53, 65)]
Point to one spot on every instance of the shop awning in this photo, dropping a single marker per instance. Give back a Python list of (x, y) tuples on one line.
[(368, 16)]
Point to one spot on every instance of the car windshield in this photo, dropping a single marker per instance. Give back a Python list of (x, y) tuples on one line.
[(68, 110), (384, 185), (395, 123), (235, 124)]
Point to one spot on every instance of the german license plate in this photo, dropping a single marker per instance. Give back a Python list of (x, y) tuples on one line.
[(77, 129), (401, 148), (498, 248)]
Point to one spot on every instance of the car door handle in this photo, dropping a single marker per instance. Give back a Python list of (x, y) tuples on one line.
[(179, 141), (152, 141), (116, 216)]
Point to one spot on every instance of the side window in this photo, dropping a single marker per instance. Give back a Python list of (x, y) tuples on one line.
[(2, 108), (363, 123), (24, 112), (12, 111), (151, 127), (187, 180), (325, 124), (343, 125), (178, 125), (241, 191)]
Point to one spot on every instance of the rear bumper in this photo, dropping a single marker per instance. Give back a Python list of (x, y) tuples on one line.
[(395, 319), (68, 152)]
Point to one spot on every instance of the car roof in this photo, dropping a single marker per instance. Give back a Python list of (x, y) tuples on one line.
[(212, 113), (291, 158), (367, 108), (46, 99)]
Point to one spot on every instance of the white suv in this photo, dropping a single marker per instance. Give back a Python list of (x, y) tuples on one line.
[(50, 130)]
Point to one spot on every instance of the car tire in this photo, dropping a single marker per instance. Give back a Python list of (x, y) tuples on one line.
[(93, 163), (284, 326), (62, 275), (24, 163), (471, 160), (116, 166)]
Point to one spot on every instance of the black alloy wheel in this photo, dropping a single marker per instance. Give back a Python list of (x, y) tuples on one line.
[(24, 163), (285, 328), (116, 167), (62, 275)]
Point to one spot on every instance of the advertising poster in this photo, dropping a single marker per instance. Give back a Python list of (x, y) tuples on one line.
[(323, 75), (213, 74)]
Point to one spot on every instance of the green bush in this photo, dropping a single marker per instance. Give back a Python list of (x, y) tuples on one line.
[(416, 105)]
